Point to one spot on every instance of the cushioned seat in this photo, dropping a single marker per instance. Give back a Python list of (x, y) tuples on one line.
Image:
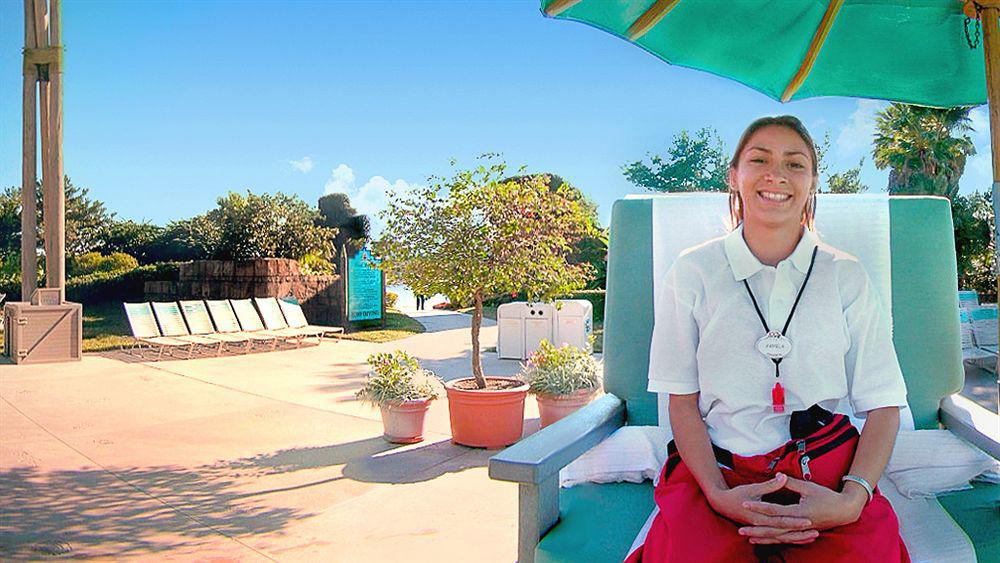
[(597, 522), (977, 512)]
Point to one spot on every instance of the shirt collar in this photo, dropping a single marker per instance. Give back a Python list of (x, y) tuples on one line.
[(744, 264)]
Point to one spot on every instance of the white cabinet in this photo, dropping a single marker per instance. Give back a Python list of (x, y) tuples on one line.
[(574, 323), (521, 327)]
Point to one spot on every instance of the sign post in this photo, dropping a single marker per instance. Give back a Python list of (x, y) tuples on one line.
[(365, 289)]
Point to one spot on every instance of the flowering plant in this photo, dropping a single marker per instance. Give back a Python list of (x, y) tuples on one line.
[(560, 371), (396, 377)]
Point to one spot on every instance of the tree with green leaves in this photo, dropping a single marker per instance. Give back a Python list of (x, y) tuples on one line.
[(475, 236), (974, 244), (592, 248), (352, 227), (692, 164), (269, 226), (924, 148), (136, 239)]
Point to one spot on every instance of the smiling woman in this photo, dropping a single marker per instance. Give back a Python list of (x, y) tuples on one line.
[(758, 336)]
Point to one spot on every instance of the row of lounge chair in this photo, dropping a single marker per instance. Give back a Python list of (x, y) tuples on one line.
[(213, 324), (978, 324)]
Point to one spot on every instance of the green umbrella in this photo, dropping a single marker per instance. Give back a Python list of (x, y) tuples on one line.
[(926, 52), (913, 51)]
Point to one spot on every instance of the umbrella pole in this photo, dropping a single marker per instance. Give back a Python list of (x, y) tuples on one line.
[(991, 47)]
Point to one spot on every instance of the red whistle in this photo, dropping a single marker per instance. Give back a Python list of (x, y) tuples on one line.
[(778, 398)]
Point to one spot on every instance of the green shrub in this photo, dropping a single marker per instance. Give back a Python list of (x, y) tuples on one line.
[(118, 286), (596, 298), (396, 377), (315, 265), (560, 371), (94, 262), (390, 300)]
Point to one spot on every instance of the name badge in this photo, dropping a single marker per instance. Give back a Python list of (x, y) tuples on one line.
[(774, 345)]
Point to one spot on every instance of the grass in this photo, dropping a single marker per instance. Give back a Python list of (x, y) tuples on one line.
[(397, 325), (106, 328)]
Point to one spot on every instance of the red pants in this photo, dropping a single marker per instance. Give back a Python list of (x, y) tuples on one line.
[(687, 529)]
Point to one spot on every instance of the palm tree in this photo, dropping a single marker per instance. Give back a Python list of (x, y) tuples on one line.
[(924, 148)]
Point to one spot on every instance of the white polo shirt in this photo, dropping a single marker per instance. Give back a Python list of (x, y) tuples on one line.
[(706, 330)]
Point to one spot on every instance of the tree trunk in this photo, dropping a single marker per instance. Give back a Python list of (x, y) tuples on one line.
[(477, 322)]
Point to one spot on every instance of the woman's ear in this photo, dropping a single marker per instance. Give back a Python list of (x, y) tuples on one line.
[(732, 180)]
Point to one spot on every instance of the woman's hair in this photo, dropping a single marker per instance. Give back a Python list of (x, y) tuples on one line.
[(790, 122)]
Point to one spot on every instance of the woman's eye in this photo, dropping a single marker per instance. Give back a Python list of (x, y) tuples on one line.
[(757, 160), (797, 165)]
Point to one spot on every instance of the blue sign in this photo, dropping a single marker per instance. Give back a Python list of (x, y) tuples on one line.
[(364, 288)]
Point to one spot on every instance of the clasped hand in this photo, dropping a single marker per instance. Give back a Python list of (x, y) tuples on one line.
[(819, 508)]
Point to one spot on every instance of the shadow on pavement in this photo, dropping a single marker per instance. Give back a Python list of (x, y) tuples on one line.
[(94, 512)]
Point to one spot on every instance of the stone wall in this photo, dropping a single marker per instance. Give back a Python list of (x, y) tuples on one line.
[(322, 297)]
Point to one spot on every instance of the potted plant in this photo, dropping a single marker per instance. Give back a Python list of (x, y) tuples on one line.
[(403, 391), (561, 379), (478, 235)]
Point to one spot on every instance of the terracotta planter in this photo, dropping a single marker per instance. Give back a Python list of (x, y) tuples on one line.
[(552, 408), (486, 418), (404, 422)]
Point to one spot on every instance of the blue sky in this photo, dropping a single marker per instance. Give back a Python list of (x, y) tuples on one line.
[(169, 105)]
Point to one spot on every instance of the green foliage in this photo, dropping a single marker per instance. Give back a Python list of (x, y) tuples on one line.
[(10, 221), (118, 285), (924, 148), (592, 247), (315, 265), (560, 371), (974, 245), (474, 236), (352, 228), (390, 300), (196, 238), (847, 182), (395, 377), (92, 262), (692, 164), (268, 226), (140, 240)]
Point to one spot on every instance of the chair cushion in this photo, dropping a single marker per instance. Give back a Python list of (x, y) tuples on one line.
[(597, 522), (977, 512)]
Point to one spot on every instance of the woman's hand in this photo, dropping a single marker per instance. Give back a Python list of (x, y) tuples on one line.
[(824, 507), (733, 504)]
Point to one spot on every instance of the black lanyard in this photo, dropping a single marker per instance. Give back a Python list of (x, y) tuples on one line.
[(812, 262)]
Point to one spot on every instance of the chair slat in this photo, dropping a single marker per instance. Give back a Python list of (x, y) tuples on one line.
[(170, 319), (246, 314), (223, 316), (141, 320), (197, 317), (271, 313)]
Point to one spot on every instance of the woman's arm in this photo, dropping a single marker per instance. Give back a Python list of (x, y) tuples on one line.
[(695, 448), (825, 507), (874, 448)]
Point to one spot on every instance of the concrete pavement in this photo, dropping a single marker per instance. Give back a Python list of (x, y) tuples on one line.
[(265, 456)]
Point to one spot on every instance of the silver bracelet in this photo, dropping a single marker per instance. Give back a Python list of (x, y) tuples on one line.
[(861, 481)]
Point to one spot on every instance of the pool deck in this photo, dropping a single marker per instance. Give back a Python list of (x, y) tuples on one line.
[(265, 456)]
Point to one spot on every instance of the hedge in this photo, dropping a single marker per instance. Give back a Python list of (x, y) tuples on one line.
[(106, 286), (595, 296)]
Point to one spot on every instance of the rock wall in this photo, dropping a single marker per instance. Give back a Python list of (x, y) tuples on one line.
[(322, 297)]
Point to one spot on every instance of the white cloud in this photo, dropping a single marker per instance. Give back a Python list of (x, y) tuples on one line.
[(303, 165), (370, 198), (856, 135), (341, 180), (980, 123)]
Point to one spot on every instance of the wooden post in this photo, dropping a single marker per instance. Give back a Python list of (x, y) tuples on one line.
[(991, 46), (55, 264), (29, 167)]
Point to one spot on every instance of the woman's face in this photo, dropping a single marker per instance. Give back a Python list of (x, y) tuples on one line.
[(774, 177)]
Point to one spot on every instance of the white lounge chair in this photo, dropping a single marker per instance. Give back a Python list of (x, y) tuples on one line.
[(146, 332), (250, 321), (200, 324), (270, 312), (172, 324), (297, 319), (226, 322)]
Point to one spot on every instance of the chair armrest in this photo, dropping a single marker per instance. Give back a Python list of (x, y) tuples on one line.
[(545, 452), (534, 464), (972, 422)]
